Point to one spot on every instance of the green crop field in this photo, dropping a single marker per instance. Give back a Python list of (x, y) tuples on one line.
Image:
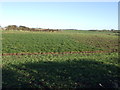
[(70, 70)]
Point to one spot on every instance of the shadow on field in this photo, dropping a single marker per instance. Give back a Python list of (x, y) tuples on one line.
[(68, 74)]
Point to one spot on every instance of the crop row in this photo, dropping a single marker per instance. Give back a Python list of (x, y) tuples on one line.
[(66, 71), (55, 42)]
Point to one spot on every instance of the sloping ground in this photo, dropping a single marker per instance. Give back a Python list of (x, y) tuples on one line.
[(66, 60), (28, 42), (66, 71)]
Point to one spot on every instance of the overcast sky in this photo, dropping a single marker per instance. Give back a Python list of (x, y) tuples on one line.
[(61, 15)]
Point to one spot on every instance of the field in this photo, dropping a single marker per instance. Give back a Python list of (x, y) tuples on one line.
[(61, 59)]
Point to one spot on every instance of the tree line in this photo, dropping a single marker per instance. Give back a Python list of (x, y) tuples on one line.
[(24, 28), (15, 27)]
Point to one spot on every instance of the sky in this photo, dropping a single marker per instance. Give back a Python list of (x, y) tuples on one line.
[(60, 15)]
